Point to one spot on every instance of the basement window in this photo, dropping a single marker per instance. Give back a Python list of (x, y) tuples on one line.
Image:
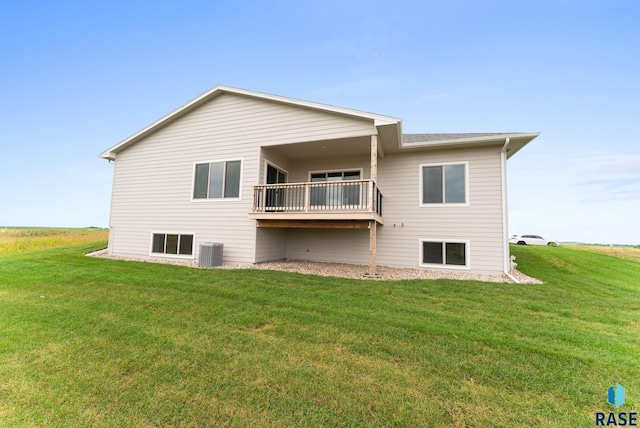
[(172, 244), (450, 254)]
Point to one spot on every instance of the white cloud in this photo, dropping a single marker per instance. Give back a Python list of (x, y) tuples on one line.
[(588, 196), (608, 177), (616, 164)]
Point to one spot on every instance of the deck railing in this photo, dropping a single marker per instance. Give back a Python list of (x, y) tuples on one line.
[(332, 196)]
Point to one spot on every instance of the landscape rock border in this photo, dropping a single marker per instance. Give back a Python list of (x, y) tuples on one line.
[(340, 270)]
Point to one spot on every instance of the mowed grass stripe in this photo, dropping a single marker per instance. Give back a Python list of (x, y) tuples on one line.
[(109, 343)]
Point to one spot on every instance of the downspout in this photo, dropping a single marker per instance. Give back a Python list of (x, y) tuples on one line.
[(112, 232), (505, 212)]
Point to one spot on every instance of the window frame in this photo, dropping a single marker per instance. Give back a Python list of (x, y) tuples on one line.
[(268, 163), (421, 202), (207, 199), (467, 253), (342, 170), (173, 256)]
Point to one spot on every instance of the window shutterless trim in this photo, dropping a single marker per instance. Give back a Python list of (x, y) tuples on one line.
[(207, 199), (173, 256), (421, 202), (443, 265)]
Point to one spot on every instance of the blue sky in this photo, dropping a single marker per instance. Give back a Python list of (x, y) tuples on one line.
[(78, 77)]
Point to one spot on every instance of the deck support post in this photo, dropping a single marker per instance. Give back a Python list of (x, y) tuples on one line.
[(372, 250), (372, 223)]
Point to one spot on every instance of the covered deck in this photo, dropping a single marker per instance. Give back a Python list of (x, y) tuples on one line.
[(319, 204), (321, 185)]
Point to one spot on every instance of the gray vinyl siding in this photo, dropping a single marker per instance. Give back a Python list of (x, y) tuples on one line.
[(303, 167), (315, 245), (299, 169), (153, 186), (271, 244), (406, 222), (153, 178), (273, 159), (329, 245)]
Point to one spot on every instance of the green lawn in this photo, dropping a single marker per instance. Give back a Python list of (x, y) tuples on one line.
[(95, 342)]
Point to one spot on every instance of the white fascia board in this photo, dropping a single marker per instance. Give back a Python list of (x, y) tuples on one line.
[(108, 155), (219, 89), (468, 141)]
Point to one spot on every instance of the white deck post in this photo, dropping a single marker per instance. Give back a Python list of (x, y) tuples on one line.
[(374, 170), (372, 223), (374, 157), (254, 208)]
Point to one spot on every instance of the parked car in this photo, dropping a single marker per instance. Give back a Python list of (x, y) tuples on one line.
[(531, 240)]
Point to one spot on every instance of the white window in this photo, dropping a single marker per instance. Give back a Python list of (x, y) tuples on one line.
[(175, 244), (444, 184), (444, 253), (217, 180)]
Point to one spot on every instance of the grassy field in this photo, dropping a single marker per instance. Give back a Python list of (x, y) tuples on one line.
[(95, 342), (17, 239), (612, 250)]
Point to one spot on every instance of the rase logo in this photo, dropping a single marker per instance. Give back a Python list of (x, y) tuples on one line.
[(616, 396)]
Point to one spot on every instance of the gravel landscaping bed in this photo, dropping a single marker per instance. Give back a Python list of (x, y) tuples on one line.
[(341, 270)]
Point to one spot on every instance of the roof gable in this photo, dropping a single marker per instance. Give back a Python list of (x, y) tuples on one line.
[(378, 120)]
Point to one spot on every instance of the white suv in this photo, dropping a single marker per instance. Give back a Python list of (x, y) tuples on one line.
[(531, 240)]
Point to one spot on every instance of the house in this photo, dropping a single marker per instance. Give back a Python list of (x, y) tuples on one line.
[(273, 178)]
